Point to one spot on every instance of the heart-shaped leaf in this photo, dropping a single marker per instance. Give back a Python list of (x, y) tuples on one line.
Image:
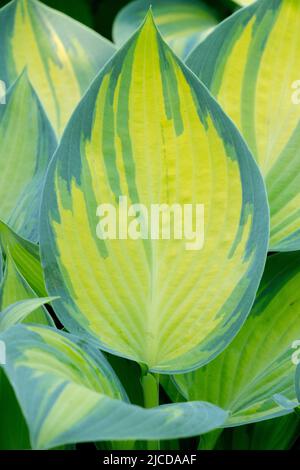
[(251, 64), (69, 393), (183, 23), (27, 145), (148, 133), (259, 364), (61, 56)]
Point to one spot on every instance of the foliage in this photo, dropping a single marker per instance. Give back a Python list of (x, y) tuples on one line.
[(136, 342)]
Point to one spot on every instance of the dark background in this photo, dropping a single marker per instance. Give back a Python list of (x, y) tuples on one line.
[(99, 14)]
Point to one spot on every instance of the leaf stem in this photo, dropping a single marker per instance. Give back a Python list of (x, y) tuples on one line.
[(150, 384)]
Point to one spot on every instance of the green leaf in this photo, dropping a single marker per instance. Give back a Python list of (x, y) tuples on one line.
[(26, 257), (1, 265), (183, 23), (251, 65), (254, 377), (14, 288), (19, 312), (297, 376), (147, 130), (68, 393), (62, 56), (27, 145), (244, 3)]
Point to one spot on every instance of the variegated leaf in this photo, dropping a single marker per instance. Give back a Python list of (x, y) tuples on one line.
[(244, 3), (183, 23), (254, 376), (69, 393), (62, 56), (251, 64), (21, 311), (148, 131)]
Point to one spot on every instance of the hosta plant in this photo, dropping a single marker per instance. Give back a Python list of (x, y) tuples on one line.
[(130, 338)]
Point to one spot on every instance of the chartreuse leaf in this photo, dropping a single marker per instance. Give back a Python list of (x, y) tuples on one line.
[(147, 130), (26, 257), (20, 311), (27, 144), (251, 64), (68, 393), (257, 369), (183, 23), (14, 288), (61, 55)]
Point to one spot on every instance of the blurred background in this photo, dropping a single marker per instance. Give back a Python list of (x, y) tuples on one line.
[(100, 14)]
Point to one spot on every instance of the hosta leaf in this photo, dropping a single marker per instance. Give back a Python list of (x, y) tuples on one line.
[(183, 23), (20, 311), (69, 393), (251, 63), (274, 434), (148, 130), (14, 288), (61, 55), (27, 144), (257, 365), (26, 257)]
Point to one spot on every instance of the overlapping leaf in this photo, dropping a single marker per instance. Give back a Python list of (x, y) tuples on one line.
[(251, 64), (148, 130), (27, 144), (14, 288), (26, 257), (69, 393), (274, 434), (20, 312), (244, 3), (257, 365), (61, 56), (183, 23), (13, 432)]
